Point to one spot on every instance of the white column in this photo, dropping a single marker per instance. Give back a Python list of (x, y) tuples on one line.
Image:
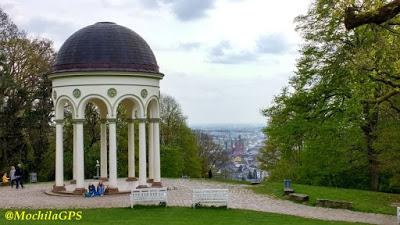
[(59, 154), (151, 152), (112, 154), (103, 149), (80, 168), (131, 149), (74, 172), (156, 144), (142, 153)]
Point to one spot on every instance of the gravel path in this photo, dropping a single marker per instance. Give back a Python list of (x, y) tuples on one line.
[(34, 196)]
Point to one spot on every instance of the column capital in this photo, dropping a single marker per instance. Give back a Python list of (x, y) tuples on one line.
[(141, 120), (59, 121), (78, 121), (111, 120), (154, 120)]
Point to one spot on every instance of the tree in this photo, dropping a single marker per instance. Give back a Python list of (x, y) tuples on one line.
[(212, 154), (179, 150), (25, 103), (325, 130)]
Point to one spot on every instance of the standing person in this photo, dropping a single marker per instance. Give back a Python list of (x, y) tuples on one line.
[(19, 176), (12, 176)]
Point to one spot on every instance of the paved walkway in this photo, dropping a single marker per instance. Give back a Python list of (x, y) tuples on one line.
[(33, 196)]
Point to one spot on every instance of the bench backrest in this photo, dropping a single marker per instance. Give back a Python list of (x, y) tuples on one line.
[(149, 193), (210, 194)]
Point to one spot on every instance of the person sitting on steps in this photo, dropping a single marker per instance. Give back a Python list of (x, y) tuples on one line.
[(100, 188), (91, 191), (5, 179)]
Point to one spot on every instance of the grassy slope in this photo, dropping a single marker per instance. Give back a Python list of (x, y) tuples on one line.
[(180, 216), (365, 201)]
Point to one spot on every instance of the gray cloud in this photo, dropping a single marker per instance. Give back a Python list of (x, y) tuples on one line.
[(57, 30), (224, 53), (186, 10), (183, 10), (150, 4), (189, 46), (189, 10), (272, 43)]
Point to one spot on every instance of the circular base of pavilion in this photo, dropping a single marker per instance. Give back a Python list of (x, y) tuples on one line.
[(124, 186)]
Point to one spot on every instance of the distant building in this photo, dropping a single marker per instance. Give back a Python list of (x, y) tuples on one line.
[(238, 147)]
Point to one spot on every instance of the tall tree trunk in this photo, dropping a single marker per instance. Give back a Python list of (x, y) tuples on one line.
[(369, 128)]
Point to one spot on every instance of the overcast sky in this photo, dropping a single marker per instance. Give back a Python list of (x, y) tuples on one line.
[(223, 60)]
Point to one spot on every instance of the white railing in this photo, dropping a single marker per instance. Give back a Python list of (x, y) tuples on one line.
[(210, 196), (148, 195)]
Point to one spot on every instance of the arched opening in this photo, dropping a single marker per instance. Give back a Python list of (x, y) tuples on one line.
[(90, 140), (128, 110)]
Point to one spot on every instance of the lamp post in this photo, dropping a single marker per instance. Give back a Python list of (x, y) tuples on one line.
[(97, 170)]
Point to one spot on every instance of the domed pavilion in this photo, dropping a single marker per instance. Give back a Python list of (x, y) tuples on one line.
[(108, 65)]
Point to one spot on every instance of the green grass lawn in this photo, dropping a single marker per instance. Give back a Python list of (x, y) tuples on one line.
[(179, 216), (365, 201)]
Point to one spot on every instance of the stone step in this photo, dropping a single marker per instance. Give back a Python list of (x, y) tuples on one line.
[(334, 204), (298, 197)]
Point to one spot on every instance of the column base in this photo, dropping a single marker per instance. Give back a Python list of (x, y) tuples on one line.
[(156, 184), (79, 191), (150, 180), (103, 178), (131, 179), (142, 186), (72, 182), (58, 188), (111, 190)]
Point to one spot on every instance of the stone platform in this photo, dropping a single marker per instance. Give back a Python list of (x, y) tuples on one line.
[(124, 187)]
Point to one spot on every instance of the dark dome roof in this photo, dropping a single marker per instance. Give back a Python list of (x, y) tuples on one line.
[(105, 46)]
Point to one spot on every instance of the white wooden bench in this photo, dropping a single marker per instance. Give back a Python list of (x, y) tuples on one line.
[(148, 195), (210, 196)]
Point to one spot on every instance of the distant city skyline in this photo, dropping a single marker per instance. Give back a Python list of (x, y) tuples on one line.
[(223, 60)]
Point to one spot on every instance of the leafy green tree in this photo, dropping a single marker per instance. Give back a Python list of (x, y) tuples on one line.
[(26, 106), (179, 150), (325, 130)]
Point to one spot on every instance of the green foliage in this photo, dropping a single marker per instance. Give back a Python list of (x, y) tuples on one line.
[(364, 201), (171, 161), (179, 150), (329, 126), (25, 103)]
